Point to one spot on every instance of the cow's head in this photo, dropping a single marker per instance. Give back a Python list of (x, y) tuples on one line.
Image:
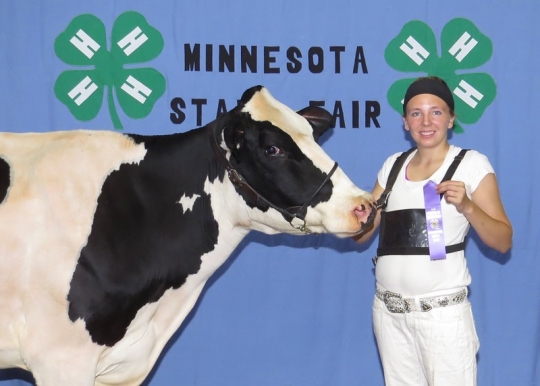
[(286, 178)]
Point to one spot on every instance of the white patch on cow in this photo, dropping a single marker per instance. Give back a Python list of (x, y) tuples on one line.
[(233, 215), (264, 107), (188, 202)]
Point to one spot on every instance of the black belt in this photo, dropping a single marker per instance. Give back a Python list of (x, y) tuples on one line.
[(404, 232), (417, 250), (382, 251)]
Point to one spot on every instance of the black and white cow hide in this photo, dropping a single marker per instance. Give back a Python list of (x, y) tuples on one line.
[(107, 239)]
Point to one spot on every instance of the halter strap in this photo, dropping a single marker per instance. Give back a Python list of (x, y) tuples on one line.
[(239, 182)]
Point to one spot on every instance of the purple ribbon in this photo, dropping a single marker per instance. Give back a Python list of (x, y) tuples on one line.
[(434, 223)]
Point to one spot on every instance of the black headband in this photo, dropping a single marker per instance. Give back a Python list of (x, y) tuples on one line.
[(437, 87)]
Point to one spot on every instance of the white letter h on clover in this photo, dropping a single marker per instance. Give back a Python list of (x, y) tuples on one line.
[(136, 89), (414, 50), (468, 94), (132, 41), (82, 91), (464, 45), (85, 43)]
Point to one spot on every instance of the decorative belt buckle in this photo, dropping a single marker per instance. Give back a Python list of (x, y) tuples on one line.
[(395, 303), (425, 306)]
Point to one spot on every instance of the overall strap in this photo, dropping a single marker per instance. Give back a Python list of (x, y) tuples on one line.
[(452, 169), (392, 176)]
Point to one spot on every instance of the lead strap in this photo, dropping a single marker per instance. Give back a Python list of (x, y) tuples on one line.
[(434, 222)]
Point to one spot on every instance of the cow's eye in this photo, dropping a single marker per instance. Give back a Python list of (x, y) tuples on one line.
[(273, 151)]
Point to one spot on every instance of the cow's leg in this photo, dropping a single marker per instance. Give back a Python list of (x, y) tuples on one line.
[(63, 366), (59, 353), (57, 377), (60, 370)]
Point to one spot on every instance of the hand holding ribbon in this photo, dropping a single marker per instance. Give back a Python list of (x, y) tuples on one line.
[(455, 194)]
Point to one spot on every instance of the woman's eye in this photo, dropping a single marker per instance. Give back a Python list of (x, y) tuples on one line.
[(273, 150)]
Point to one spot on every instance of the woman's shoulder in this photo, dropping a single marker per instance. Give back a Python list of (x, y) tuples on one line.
[(472, 155), (473, 168)]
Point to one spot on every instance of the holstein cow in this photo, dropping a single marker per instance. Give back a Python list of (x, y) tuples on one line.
[(107, 239)]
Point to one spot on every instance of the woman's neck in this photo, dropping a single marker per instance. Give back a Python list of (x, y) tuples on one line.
[(426, 162), (432, 155)]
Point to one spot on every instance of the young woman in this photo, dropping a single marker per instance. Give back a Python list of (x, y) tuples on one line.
[(422, 319)]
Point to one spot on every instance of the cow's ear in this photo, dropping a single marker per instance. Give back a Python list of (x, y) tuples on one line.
[(319, 119), (234, 136)]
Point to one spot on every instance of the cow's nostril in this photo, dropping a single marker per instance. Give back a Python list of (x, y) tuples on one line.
[(361, 213)]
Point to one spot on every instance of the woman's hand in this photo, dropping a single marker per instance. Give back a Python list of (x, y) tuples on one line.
[(454, 193)]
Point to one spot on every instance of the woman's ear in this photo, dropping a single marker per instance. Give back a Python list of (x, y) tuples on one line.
[(451, 122)]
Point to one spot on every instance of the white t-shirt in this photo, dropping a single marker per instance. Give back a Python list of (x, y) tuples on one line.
[(417, 275)]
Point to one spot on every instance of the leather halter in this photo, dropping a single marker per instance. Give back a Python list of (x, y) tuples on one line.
[(294, 212)]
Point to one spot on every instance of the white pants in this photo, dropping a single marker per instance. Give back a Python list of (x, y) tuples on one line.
[(435, 348)]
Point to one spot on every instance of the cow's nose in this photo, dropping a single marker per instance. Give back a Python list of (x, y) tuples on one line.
[(365, 213)]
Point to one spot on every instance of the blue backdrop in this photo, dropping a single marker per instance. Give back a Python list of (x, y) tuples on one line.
[(290, 310)]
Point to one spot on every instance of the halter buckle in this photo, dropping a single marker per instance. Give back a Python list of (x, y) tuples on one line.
[(301, 227)]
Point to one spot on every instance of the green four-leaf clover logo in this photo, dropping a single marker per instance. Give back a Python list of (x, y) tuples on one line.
[(463, 47), (84, 43)]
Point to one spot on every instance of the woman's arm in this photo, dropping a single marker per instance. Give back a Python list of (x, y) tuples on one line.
[(484, 211)]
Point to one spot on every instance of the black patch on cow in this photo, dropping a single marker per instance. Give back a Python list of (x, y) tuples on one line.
[(141, 242), (4, 179)]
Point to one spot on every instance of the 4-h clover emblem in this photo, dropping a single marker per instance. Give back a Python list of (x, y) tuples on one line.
[(463, 47), (84, 43)]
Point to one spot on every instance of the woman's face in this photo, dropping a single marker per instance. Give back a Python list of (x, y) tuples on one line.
[(428, 119)]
